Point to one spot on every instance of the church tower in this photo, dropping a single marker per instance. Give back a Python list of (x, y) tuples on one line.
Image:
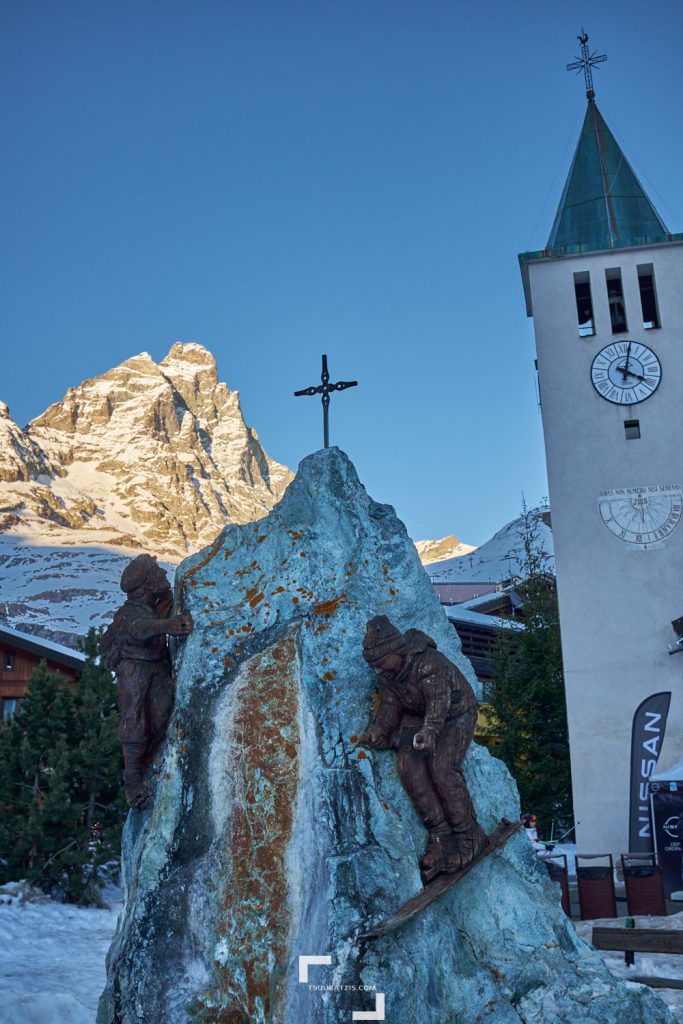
[(606, 295)]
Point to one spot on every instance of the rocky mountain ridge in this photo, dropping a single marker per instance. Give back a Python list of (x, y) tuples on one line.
[(147, 455), (438, 550)]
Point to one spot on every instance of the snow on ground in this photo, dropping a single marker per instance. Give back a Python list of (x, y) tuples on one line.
[(662, 965), (52, 959)]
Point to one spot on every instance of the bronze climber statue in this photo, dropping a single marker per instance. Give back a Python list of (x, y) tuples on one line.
[(427, 713), (134, 647)]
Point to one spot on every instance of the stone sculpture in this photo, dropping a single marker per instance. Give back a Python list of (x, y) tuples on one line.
[(273, 842), (427, 712), (134, 646)]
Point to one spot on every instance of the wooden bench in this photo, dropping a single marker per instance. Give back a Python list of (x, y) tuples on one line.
[(641, 940)]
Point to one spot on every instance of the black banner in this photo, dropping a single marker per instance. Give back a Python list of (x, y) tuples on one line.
[(649, 724), (667, 808)]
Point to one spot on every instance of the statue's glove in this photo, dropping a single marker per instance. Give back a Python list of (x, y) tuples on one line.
[(424, 740), (377, 738), (180, 625)]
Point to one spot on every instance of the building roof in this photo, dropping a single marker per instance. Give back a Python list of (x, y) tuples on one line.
[(458, 613), (42, 648), (603, 205)]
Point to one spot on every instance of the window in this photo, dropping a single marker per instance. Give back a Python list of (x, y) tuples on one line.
[(615, 297), (584, 304), (10, 708), (648, 295), (632, 429), (9, 661)]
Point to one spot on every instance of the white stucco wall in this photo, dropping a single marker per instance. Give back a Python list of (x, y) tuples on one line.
[(616, 600)]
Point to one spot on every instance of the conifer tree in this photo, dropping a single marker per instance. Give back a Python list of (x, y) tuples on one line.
[(38, 808), (60, 782), (98, 769), (527, 696)]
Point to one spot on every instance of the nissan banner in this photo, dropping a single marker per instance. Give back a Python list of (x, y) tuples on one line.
[(649, 723)]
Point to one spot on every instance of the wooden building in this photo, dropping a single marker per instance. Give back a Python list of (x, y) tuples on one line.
[(20, 654)]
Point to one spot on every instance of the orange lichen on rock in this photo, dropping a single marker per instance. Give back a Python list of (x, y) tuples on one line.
[(353, 739), (260, 540), (361, 755), (329, 676), (266, 769), (212, 552), (329, 607)]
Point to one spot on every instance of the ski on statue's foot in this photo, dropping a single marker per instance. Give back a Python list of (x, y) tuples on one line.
[(440, 884)]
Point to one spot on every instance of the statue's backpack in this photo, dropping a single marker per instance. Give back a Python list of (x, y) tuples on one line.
[(111, 645)]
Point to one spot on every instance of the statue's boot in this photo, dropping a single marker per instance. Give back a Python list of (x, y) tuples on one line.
[(134, 773), (434, 859), (463, 846)]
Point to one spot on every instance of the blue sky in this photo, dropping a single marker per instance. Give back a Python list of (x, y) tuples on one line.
[(275, 180)]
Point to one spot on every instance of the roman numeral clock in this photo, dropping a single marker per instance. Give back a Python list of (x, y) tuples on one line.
[(626, 373)]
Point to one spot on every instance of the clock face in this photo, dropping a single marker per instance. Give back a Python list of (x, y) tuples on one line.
[(626, 372), (643, 516)]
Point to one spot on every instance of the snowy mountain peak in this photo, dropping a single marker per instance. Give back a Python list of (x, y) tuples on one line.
[(437, 550), (20, 458), (188, 354), (145, 455), (503, 556)]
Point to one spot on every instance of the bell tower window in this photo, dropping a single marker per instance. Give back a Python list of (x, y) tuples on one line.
[(615, 297), (584, 304), (648, 295)]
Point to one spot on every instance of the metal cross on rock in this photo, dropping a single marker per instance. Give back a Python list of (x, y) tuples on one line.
[(586, 62), (324, 390)]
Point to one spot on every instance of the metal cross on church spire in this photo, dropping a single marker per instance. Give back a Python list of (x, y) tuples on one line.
[(324, 389), (586, 63)]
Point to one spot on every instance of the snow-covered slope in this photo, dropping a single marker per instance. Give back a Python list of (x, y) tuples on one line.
[(59, 592), (501, 557), (52, 958), (440, 550), (148, 456)]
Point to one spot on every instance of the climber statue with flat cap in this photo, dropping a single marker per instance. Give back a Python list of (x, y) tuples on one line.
[(427, 712), (134, 646)]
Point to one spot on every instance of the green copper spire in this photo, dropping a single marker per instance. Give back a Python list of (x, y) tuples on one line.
[(603, 205)]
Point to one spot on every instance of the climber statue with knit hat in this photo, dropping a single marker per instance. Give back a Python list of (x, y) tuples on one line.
[(427, 712)]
